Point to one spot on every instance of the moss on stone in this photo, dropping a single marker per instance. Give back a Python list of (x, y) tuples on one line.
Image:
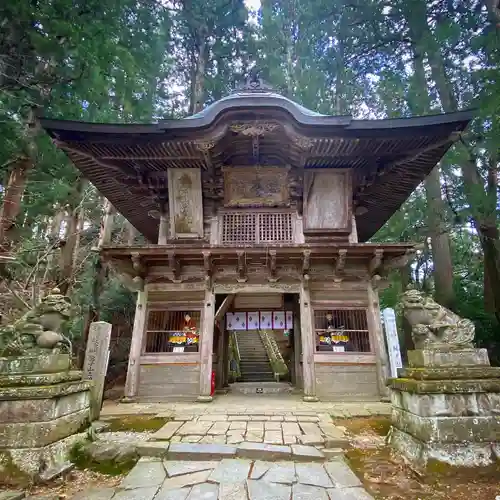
[(379, 425), (83, 460), (435, 471), (136, 423), (10, 474)]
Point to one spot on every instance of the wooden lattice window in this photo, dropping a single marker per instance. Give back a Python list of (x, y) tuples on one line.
[(240, 227), (341, 330), (172, 331)]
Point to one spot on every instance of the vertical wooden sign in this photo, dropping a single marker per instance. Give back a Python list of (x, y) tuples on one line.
[(185, 203)]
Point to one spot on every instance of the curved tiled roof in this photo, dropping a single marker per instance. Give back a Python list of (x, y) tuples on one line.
[(128, 162)]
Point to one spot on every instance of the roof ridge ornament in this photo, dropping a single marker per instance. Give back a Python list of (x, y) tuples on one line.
[(254, 83)]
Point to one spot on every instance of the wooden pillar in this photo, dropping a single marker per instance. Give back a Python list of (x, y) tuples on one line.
[(307, 337), (219, 376), (297, 350), (132, 383), (207, 342), (226, 357), (377, 337)]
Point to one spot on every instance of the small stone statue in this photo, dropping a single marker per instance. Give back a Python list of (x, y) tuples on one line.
[(434, 326), (39, 330)]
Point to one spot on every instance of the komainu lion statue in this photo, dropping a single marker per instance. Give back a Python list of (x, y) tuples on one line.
[(435, 327), (39, 330)]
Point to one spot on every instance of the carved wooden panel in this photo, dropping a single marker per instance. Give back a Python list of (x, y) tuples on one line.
[(256, 186), (327, 201), (186, 205)]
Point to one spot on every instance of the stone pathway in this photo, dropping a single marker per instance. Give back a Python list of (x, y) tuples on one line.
[(234, 479), (267, 404), (305, 428)]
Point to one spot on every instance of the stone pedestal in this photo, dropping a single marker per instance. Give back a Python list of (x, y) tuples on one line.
[(446, 408), (43, 407)]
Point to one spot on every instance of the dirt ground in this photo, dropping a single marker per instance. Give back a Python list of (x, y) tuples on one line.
[(388, 477)]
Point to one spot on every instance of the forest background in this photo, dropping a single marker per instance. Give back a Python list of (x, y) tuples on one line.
[(142, 60)]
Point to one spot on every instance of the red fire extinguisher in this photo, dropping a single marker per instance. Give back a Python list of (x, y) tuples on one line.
[(212, 385)]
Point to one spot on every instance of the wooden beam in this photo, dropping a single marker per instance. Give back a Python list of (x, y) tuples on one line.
[(224, 307), (175, 266), (208, 267), (340, 262), (242, 267), (271, 263), (376, 261)]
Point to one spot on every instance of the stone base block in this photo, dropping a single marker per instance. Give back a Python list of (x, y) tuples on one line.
[(43, 410), (42, 363), (468, 454), (447, 429), (27, 465), (433, 358), (479, 404), (38, 434)]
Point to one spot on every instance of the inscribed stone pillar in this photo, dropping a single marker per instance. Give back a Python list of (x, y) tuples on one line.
[(377, 336), (307, 332), (207, 342), (96, 363), (132, 382)]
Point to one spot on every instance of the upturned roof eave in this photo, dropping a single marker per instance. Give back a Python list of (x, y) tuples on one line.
[(325, 125)]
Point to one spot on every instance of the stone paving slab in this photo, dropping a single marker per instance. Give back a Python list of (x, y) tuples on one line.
[(146, 473), (313, 475), (260, 490), (178, 468), (236, 479), (305, 492), (341, 474), (349, 494), (231, 471), (199, 451), (263, 451), (136, 494)]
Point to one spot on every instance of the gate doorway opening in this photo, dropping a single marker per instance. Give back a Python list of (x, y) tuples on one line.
[(257, 344)]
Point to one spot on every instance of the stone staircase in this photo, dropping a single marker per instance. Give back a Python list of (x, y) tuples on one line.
[(254, 362)]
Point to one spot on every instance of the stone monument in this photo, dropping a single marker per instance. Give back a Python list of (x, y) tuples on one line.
[(43, 402), (96, 363), (446, 404)]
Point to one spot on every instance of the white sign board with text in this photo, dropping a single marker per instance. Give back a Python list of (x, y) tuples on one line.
[(391, 335)]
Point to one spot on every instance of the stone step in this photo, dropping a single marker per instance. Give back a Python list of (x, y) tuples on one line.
[(257, 377), (261, 388), (260, 451)]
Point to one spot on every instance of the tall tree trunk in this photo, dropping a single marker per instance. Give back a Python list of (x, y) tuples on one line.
[(198, 78), (11, 205), (16, 184), (483, 203), (98, 278), (436, 208), (440, 241), (68, 251)]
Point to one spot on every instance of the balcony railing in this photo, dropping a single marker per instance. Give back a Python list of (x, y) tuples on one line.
[(243, 227)]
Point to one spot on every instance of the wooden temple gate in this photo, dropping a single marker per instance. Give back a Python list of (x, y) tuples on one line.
[(252, 196)]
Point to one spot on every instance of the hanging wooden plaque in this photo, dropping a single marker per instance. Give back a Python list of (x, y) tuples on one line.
[(256, 186)]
